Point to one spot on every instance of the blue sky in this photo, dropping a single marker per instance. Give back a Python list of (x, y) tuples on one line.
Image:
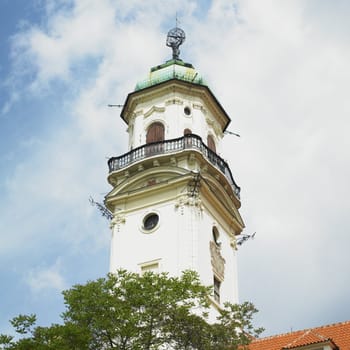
[(280, 69)]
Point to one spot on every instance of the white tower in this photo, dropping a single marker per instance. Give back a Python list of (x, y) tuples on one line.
[(174, 200)]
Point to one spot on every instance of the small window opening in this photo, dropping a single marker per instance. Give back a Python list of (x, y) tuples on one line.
[(216, 236), (211, 143), (155, 133), (187, 110), (217, 285), (187, 132), (151, 267)]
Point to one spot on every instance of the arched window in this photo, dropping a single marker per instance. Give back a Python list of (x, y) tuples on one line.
[(216, 236), (155, 133), (217, 285), (211, 143), (188, 139)]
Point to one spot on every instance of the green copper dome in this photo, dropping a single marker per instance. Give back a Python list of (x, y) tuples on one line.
[(172, 69)]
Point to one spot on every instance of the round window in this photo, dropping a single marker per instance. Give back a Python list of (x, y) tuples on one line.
[(150, 221), (187, 110)]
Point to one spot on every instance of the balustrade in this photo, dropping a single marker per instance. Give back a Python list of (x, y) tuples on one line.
[(189, 141)]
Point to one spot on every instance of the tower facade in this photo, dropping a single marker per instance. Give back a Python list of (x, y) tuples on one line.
[(174, 200)]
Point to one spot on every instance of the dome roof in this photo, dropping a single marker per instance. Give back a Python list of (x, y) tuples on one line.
[(172, 69)]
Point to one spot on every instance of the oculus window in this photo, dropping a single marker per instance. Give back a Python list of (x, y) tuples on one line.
[(150, 222), (187, 110)]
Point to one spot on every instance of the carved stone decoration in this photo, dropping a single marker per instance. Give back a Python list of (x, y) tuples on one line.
[(215, 125), (117, 221), (218, 130), (200, 107), (154, 109), (194, 201), (217, 261), (233, 243), (138, 112), (174, 101), (179, 204), (209, 121), (130, 128), (151, 182), (191, 158)]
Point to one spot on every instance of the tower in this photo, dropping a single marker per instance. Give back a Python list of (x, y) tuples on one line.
[(174, 200)]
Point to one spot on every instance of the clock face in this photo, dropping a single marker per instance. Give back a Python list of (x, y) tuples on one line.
[(150, 221)]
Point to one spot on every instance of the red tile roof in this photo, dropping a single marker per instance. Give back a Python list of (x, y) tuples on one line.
[(336, 335), (307, 338)]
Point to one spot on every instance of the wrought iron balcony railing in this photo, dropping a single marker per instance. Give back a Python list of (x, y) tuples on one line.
[(190, 141)]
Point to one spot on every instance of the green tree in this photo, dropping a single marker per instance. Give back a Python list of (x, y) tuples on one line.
[(128, 311)]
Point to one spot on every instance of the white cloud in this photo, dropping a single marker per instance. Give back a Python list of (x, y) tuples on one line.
[(281, 72), (71, 34), (42, 279), (48, 191)]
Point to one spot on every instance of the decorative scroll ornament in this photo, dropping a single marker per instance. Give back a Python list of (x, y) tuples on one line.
[(233, 243), (117, 221), (217, 261), (190, 201), (175, 38)]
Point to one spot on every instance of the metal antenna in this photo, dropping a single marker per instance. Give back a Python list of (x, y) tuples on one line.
[(245, 238), (231, 133), (120, 106), (176, 20), (103, 210)]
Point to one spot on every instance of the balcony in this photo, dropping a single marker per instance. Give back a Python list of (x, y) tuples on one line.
[(186, 142)]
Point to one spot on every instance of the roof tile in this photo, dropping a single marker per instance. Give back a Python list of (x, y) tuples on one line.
[(307, 338), (338, 334)]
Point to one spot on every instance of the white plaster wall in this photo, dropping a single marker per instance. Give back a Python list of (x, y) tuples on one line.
[(180, 242), (170, 243), (173, 118), (228, 290)]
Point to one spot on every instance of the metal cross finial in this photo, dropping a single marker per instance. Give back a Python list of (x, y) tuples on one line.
[(175, 38)]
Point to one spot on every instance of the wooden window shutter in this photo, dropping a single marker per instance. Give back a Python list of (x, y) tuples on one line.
[(211, 143), (155, 133)]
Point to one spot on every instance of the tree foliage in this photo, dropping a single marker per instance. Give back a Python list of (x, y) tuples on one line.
[(128, 311)]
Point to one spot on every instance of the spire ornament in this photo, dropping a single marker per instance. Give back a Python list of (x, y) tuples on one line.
[(175, 38)]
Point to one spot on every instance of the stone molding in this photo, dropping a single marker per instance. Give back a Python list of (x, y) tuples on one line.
[(154, 109)]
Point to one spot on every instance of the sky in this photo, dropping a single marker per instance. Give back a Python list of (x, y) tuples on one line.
[(281, 71)]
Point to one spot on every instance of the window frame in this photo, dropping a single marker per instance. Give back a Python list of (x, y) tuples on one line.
[(145, 217), (155, 132), (211, 143)]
